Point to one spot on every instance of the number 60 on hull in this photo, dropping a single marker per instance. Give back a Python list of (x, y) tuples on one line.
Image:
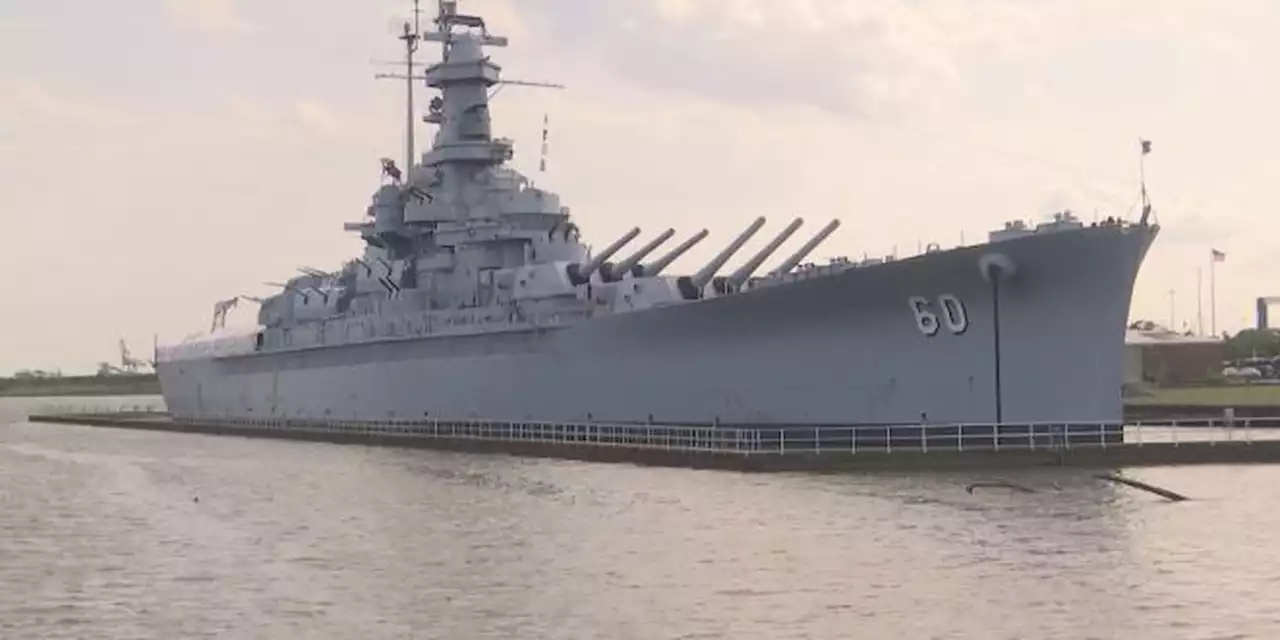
[(947, 311)]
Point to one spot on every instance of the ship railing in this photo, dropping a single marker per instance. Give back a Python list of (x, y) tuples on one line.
[(102, 409), (788, 439), (749, 439)]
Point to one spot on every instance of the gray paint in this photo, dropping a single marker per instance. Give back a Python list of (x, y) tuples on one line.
[(468, 303), (838, 349)]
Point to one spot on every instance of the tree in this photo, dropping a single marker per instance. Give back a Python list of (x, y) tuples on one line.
[(1248, 343)]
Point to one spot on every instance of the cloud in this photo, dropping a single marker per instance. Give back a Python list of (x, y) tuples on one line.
[(24, 103), (308, 116), (885, 60), (14, 26), (813, 54), (318, 117), (681, 113), (213, 16)]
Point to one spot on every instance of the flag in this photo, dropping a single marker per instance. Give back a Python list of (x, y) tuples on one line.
[(1217, 256), (389, 168), (1146, 146)]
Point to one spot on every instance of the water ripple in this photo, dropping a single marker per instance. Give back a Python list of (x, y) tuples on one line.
[(149, 535)]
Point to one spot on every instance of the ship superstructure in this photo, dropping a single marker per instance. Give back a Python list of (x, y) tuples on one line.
[(475, 297)]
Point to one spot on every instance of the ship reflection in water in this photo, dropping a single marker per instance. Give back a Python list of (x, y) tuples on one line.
[(103, 537)]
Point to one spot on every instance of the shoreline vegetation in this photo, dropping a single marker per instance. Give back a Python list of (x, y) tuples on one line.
[(124, 384)]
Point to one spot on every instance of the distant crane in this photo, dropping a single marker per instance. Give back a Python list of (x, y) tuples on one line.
[(128, 363)]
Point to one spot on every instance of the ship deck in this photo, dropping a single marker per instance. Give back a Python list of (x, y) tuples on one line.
[(818, 449)]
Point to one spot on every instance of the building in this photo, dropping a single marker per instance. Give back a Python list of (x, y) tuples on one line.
[(1166, 358)]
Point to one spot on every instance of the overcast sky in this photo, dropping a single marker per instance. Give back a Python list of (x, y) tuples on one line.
[(159, 155)]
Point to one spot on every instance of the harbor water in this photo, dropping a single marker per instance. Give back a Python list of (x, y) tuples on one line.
[(131, 534)]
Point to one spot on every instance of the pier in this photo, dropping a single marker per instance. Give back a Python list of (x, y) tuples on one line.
[(760, 448)]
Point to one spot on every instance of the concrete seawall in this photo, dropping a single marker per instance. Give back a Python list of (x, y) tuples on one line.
[(718, 456)]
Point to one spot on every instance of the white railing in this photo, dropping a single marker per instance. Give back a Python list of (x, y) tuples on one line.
[(144, 408), (748, 440)]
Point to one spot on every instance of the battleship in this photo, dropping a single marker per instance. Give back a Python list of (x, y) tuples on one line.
[(476, 298)]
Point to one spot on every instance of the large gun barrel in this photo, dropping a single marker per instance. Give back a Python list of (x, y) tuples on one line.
[(795, 258), (656, 267), (703, 276), (621, 269), (739, 277), (580, 273)]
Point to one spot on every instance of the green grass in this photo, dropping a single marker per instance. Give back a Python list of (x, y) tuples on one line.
[(1228, 395)]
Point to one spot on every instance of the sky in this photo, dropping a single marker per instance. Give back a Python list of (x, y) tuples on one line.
[(159, 155)]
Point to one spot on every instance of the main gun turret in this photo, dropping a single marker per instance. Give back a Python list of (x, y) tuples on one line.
[(614, 272), (581, 273), (691, 286), (735, 281), (795, 258), (654, 268)]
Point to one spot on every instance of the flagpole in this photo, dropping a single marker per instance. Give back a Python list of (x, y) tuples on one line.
[(1200, 301), (1144, 147), (1142, 169), (1213, 298)]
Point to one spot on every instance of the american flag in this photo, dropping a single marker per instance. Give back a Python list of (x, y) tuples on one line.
[(1217, 256)]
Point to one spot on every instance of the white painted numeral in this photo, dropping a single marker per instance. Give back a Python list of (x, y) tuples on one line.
[(953, 314), (926, 320)]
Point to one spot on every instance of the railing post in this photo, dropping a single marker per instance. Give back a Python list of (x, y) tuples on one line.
[(782, 440), (960, 437), (1173, 432), (924, 438), (1031, 429), (1248, 436), (817, 444), (1138, 430), (888, 439), (853, 439)]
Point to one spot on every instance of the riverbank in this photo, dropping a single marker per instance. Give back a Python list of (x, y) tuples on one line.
[(142, 384)]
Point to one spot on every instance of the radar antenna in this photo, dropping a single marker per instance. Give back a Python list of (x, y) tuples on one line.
[(411, 36)]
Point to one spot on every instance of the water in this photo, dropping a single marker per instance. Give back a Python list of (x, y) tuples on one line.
[(120, 534)]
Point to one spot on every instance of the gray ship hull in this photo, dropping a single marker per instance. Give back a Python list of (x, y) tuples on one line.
[(838, 349)]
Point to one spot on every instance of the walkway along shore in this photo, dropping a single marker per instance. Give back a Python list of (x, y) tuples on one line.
[(764, 449)]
